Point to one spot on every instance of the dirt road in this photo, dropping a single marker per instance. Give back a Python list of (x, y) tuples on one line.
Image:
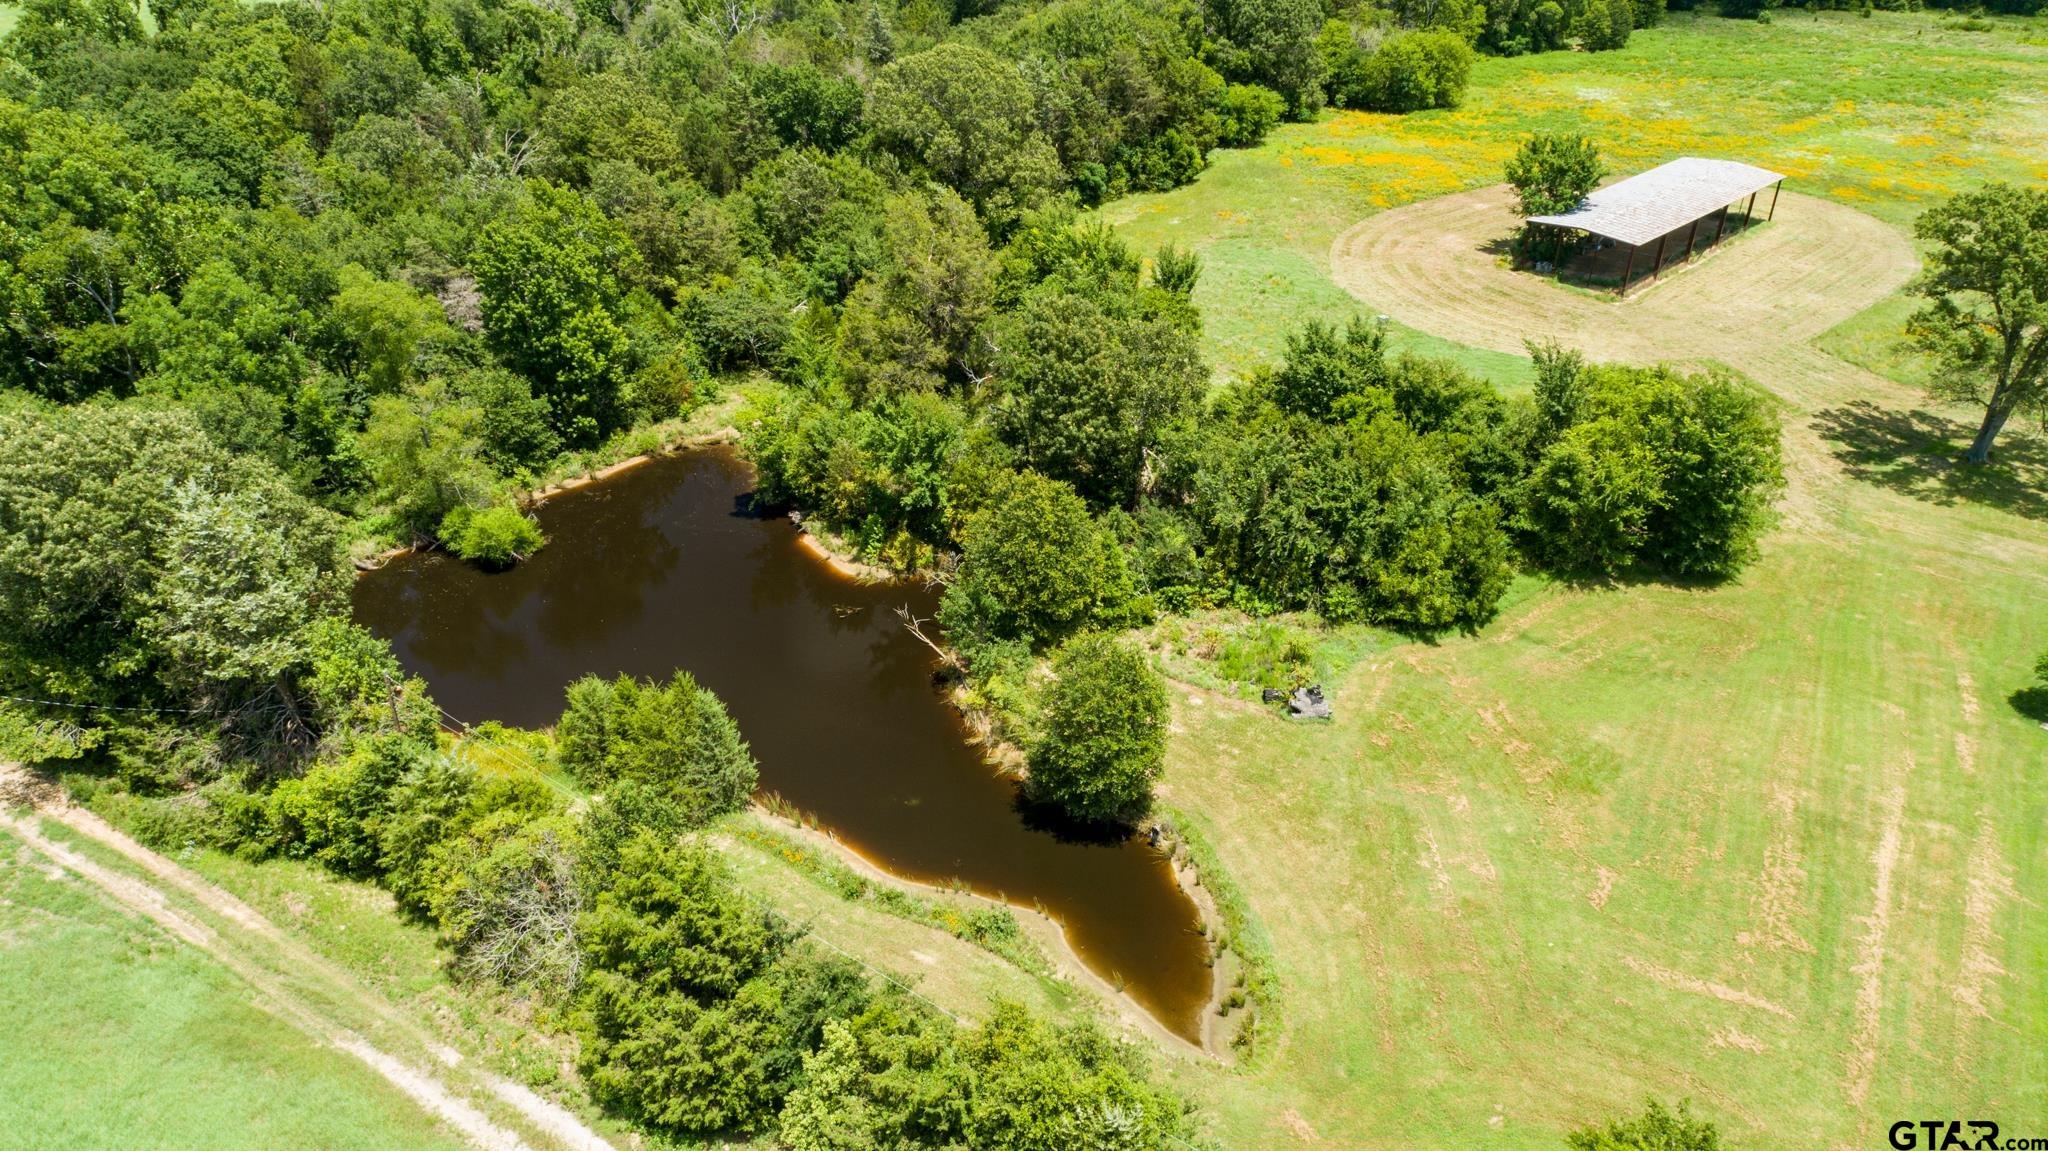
[(289, 979)]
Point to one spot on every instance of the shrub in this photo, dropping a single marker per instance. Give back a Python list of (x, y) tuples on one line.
[(493, 537), (333, 813), (434, 805), (674, 736), (1413, 71), (1554, 172), (508, 900), (1355, 487), (1656, 1129), (1102, 742), (1034, 566), (1245, 113), (669, 1032), (1040, 1088), (1677, 472)]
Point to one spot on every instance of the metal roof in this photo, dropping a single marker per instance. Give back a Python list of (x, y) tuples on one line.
[(1663, 199)]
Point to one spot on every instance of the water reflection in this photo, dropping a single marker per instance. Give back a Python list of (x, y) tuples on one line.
[(668, 566)]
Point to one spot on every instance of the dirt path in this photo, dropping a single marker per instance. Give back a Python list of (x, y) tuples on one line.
[(1815, 265), (289, 978)]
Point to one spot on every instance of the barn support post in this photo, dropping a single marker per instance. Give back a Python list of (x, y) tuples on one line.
[(1690, 237), (1720, 223), (1772, 214), (1657, 268), (1630, 266), (1747, 209)]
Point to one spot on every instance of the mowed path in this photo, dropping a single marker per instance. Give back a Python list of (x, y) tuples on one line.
[(487, 1111), (1743, 303), (1754, 304)]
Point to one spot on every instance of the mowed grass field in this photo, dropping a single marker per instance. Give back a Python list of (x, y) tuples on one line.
[(1776, 846), (119, 1036), (1891, 113)]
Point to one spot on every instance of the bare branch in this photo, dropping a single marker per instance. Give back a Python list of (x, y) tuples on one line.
[(916, 628)]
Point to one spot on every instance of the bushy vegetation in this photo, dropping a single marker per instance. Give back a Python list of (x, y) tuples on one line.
[(1102, 738), (1658, 1128), (674, 738), (1647, 466), (493, 537), (1406, 72)]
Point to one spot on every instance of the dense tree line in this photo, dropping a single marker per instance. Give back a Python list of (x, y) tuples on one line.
[(275, 279), (408, 253)]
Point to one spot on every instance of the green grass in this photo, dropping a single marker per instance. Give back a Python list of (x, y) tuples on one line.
[(917, 946), (1875, 340), (118, 1036), (1777, 846), (1723, 765), (1891, 114)]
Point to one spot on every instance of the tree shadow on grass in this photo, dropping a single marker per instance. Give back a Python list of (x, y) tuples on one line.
[(2031, 702), (1920, 454)]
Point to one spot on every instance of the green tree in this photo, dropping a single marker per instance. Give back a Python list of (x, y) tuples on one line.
[(550, 279), (1986, 320), (1040, 1088), (676, 736), (1084, 385), (964, 116), (1034, 566), (914, 324), (385, 328), (1678, 472), (1272, 43), (1102, 739), (673, 1012), (135, 555), (424, 455), (1600, 25), (1554, 172), (1408, 72), (1656, 1129), (244, 568)]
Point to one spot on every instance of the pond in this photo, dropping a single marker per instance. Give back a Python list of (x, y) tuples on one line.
[(667, 566)]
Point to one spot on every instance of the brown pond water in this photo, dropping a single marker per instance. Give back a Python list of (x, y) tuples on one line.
[(666, 566)]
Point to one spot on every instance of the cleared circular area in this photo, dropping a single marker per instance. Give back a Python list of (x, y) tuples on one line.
[(1817, 263)]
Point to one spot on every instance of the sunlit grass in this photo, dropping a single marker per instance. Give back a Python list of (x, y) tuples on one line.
[(1891, 114), (1775, 846), (119, 1036)]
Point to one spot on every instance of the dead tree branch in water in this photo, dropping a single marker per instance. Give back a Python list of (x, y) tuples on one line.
[(916, 628)]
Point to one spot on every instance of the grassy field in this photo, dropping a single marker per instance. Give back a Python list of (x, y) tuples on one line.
[(1889, 113), (1780, 846), (118, 1035), (1776, 846)]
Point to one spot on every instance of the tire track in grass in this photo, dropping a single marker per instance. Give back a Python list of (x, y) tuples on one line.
[(432, 1091), (1869, 968)]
